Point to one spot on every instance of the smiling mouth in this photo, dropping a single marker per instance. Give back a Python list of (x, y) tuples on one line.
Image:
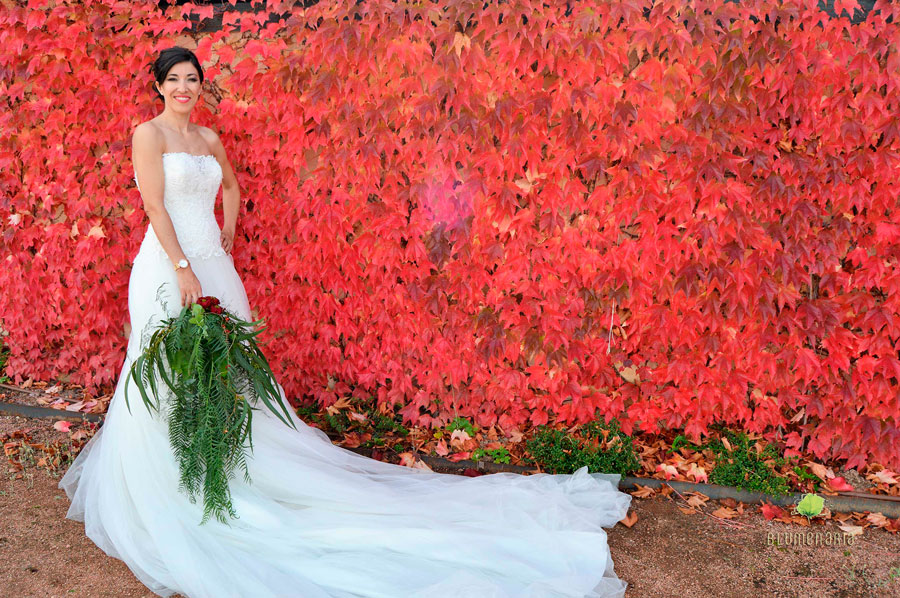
[(182, 99)]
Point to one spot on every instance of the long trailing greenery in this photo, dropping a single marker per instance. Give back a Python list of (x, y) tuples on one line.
[(211, 370)]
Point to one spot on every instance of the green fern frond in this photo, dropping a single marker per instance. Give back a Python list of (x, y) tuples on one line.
[(212, 372)]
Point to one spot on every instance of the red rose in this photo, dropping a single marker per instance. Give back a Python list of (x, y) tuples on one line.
[(207, 302), (216, 309)]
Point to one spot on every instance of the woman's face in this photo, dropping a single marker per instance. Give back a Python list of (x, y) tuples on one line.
[(181, 87)]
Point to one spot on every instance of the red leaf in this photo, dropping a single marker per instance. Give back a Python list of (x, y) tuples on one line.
[(839, 484), (441, 448), (459, 456), (770, 511)]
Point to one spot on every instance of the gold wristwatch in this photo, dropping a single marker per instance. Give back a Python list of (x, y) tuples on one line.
[(182, 263)]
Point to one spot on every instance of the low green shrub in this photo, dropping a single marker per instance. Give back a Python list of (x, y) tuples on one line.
[(341, 423), (4, 355), (742, 467), (559, 452), (500, 455), (461, 423)]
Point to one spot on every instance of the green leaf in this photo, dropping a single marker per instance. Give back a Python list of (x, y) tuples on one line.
[(810, 505)]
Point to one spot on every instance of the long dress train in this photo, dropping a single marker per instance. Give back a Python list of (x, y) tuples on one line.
[(317, 520)]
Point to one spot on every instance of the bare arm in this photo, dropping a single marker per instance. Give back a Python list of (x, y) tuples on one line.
[(231, 195), (146, 155)]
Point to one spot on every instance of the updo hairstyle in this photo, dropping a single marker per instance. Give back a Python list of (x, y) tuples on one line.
[(169, 58)]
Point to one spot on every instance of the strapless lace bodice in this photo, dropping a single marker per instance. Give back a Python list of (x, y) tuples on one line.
[(191, 184)]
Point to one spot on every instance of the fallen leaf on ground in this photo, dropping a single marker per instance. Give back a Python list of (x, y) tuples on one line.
[(458, 438), (62, 426), (643, 491), (354, 439), (819, 470), (842, 517), (725, 513), (341, 403), (630, 519), (877, 519), (419, 464), (441, 448), (514, 436), (770, 511), (460, 434), (668, 470), (853, 530), (697, 499), (839, 484), (885, 476), (407, 459), (698, 473)]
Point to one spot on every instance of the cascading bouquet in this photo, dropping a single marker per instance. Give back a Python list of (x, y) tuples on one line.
[(210, 362)]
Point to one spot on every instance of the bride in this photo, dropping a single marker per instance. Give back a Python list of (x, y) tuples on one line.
[(317, 520)]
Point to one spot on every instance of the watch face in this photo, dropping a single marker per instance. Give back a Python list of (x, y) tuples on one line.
[(182, 263)]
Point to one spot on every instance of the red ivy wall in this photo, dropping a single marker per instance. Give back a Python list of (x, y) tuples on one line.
[(674, 215)]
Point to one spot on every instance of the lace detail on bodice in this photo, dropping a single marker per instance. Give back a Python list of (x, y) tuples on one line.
[(191, 184)]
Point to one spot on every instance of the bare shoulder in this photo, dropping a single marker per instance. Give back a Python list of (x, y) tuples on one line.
[(211, 137), (147, 137)]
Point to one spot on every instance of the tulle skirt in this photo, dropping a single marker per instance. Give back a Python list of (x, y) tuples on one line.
[(320, 521)]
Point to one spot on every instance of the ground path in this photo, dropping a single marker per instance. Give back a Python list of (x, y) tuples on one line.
[(666, 553)]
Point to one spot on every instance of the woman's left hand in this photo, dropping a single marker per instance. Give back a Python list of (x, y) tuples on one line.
[(227, 239)]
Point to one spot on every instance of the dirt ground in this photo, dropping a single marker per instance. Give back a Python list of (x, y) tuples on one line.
[(665, 553)]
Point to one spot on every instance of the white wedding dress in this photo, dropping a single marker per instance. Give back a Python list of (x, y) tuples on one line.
[(318, 520)]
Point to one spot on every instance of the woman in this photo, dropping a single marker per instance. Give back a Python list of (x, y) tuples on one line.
[(317, 520)]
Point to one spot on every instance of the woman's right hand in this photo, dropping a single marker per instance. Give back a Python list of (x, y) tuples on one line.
[(189, 285)]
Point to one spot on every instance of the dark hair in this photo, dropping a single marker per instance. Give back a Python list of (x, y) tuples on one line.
[(169, 58)]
